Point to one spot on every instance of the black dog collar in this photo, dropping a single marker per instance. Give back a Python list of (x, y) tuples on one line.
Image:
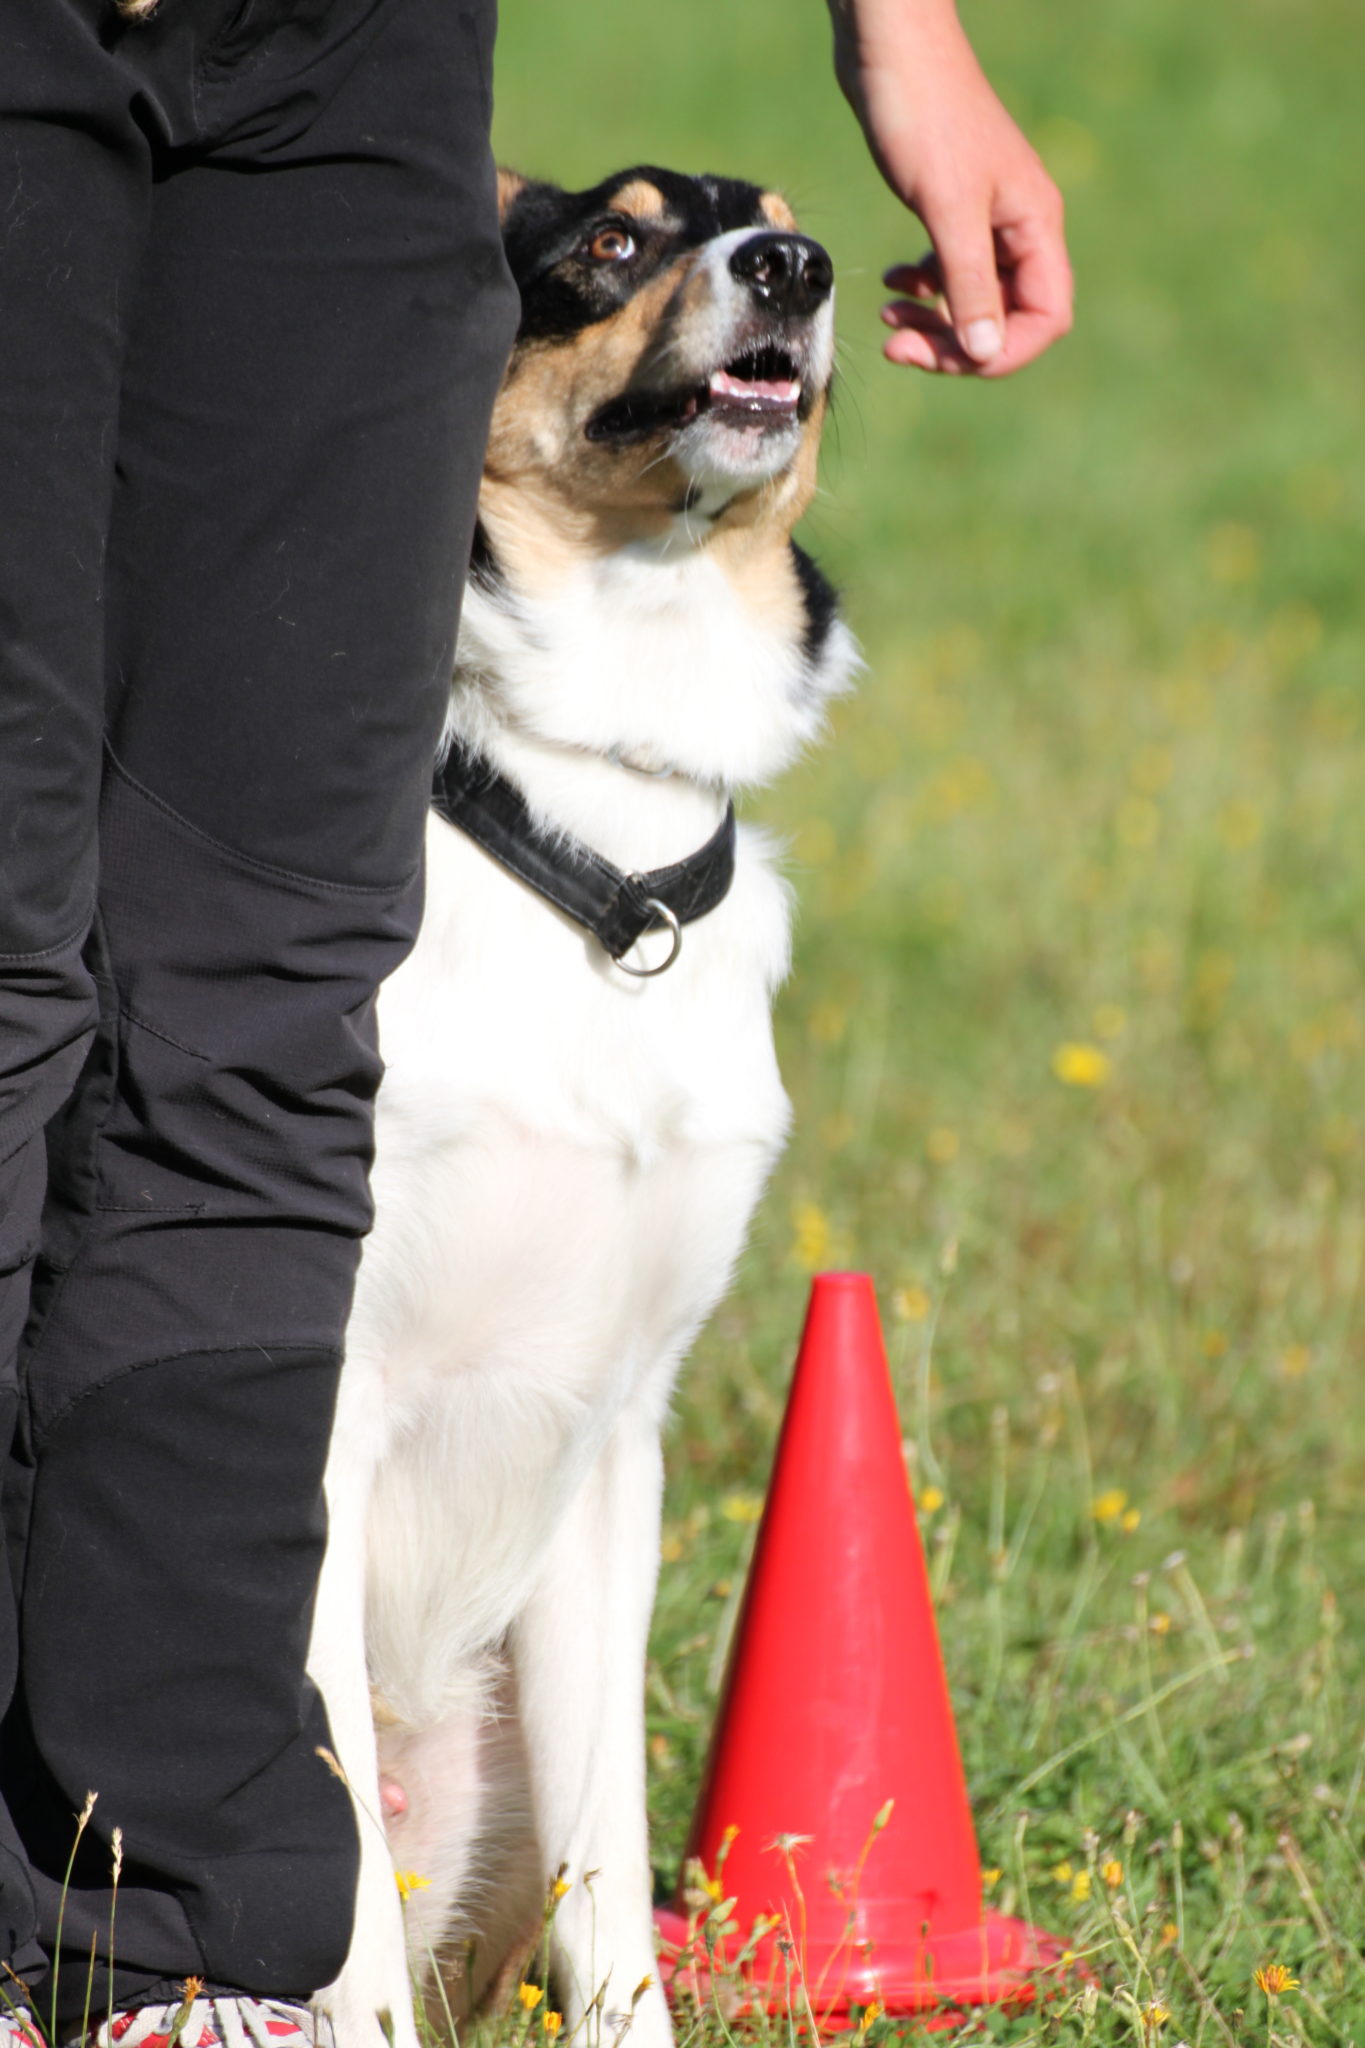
[(617, 908)]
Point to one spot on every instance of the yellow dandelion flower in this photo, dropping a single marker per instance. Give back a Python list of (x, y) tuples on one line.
[(1239, 824), (410, 1881), (730, 1835), (1129, 1520), (1273, 1978), (1160, 1623), (742, 1507), (911, 1304), (714, 1889), (1234, 553), (827, 1023), (1108, 1506), (871, 2014), (661, 1751), (1081, 1066), (1080, 1887), (990, 1879), (810, 1242), (1214, 974), (552, 2022), (530, 1995), (1137, 821), (1063, 1873), (1151, 769), (1112, 1873), (560, 1886), (815, 842), (1170, 1933), (1154, 2014), (931, 1500), (943, 1146)]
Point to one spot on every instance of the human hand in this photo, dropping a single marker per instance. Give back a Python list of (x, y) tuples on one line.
[(995, 290)]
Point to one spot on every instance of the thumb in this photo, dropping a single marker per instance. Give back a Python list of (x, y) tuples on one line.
[(966, 253)]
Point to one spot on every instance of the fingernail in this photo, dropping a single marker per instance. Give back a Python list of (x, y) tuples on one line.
[(982, 339)]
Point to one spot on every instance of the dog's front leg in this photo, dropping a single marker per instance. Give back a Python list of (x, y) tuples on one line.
[(579, 1652), (370, 2003)]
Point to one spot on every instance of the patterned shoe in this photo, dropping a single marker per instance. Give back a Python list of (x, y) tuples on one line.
[(18, 2028), (226, 2022)]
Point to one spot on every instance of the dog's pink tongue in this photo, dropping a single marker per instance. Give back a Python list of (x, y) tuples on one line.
[(775, 391), (392, 1798)]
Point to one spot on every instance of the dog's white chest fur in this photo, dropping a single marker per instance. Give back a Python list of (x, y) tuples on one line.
[(567, 1159), (567, 1162)]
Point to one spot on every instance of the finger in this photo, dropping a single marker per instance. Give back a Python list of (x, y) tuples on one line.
[(971, 284), (1027, 335), (924, 338), (920, 280), (1037, 274), (912, 351)]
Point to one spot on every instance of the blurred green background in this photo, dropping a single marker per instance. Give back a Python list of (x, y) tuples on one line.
[(1076, 1034)]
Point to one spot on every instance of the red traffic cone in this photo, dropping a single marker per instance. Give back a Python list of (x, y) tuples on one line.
[(835, 1704)]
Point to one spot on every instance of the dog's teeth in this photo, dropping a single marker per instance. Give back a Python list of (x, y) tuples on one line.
[(775, 392)]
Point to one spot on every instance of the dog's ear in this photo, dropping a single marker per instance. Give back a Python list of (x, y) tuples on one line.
[(509, 184)]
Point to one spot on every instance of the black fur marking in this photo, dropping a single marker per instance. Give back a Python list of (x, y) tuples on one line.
[(546, 232), (485, 570), (820, 603)]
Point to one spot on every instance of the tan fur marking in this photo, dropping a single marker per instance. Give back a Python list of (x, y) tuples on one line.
[(509, 184), (640, 198), (537, 440), (774, 208)]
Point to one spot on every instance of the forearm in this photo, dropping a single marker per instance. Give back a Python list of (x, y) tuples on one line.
[(877, 35), (950, 152)]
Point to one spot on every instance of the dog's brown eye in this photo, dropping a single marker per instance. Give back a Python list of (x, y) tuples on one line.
[(611, 245)]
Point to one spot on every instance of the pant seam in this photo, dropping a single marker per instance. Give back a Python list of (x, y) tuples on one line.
[(155, 1031), (150, 1209), (264, 867), (123, 1372), (73, 938)]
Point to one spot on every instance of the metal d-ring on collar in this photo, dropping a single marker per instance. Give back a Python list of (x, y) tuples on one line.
[(648, 973), (616, 907)]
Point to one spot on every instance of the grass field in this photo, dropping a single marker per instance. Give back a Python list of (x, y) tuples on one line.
[(1101, 789)]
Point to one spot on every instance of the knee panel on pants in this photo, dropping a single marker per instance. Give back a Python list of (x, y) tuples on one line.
[(175, 1528), (221, 1188)]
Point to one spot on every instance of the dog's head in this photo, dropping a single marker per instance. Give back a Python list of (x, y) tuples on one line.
[(674, 355)]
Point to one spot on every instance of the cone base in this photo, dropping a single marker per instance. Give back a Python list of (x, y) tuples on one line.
[(998, 1962)]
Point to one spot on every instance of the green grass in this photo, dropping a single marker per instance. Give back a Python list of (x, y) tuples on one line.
[(1102, 785)]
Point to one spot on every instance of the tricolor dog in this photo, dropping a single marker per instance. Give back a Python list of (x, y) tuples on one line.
[(582, 1101)]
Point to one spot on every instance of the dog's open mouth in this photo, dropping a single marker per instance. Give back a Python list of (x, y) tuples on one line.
[(759, 387)]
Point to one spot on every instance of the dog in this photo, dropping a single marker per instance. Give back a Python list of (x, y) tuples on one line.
[(581, 1102)]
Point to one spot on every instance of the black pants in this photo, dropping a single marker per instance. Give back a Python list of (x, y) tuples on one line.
[(253, 310)]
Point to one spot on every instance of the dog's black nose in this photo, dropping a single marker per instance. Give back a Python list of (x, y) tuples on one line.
[(789, 273)]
